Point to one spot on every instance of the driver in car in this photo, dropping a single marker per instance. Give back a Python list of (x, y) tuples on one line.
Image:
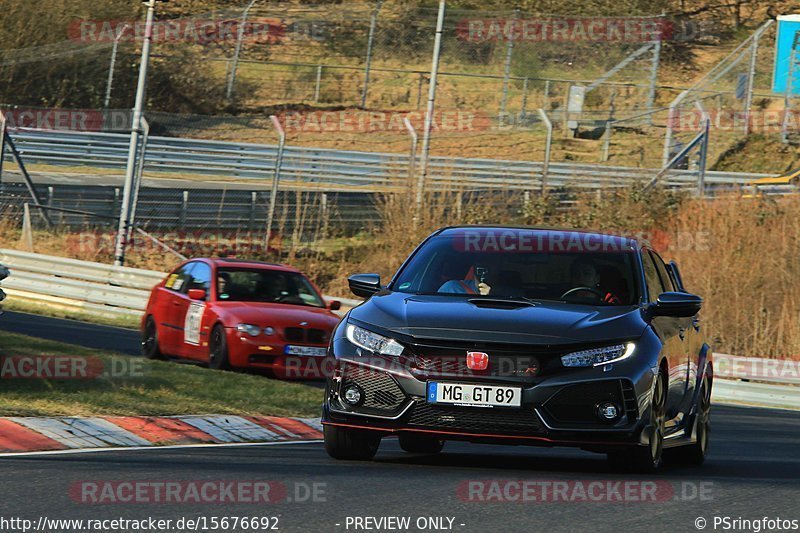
[(470, 284), (584, 275)]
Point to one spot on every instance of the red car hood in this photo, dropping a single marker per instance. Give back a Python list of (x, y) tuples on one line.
[(275, 315)]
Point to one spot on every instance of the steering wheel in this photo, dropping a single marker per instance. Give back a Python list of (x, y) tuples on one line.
[(594, 291)]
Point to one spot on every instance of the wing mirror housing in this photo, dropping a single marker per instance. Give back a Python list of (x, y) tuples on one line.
[(676, 304), (196, 294), (364, 285)]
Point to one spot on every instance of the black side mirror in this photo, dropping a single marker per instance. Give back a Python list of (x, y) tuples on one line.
[(364, 285), (4, 272), (677, 304)]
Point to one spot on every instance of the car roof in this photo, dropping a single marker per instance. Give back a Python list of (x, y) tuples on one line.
[(622, 241)]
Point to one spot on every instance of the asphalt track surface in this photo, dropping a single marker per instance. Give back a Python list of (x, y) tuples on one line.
[(752, 472), (110, 338)]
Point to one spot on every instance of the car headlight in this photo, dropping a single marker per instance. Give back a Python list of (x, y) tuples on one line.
[(598, 356), (250, 329), (373, 342)]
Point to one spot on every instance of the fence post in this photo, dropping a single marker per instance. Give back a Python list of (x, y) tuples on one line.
[(318, 83), (748, 99), (668, 134), (607, 140), (547, 147), (507, 67), (546, 102), (651, 94), (122, 230), (110, 81), (145, 126), (273, 195), (787, 96), (237, 50), (701, 174), (253, 204), (412, 158), (426, 134), (524, 108), (2, 145), (372, 23)]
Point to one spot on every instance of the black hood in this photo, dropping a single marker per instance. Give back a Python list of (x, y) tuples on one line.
[(456, 318)]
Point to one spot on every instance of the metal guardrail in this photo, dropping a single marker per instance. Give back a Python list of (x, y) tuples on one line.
[(336, 169), (83, 285)]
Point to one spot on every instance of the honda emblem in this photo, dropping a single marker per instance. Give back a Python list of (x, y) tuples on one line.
[(477, 360)]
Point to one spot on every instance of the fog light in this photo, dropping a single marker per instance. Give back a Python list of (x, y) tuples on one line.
[(608, 411), (352, 394)]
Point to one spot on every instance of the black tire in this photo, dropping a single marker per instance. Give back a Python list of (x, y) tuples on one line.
[(647, 459), (218, 349), (150, 347), (695, 454), (421, 444), (350, 444)]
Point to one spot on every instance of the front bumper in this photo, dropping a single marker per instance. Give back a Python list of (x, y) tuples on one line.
[(556, 411), (270, 355)]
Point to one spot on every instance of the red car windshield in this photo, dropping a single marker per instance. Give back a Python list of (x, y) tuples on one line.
[(262, 285)]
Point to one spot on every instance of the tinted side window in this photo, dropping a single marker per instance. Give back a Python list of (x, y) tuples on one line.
[(654, 287), (200, 277), (179, 280), (666, 280)]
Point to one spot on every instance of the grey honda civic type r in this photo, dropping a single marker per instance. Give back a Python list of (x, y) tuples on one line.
[(509, 335)]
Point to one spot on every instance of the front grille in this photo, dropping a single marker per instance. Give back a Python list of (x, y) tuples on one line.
[(309, 335), (475, 419), (381, 391), (525, 361), (577, 404)]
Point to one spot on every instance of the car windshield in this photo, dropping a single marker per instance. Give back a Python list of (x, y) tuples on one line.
[(524, 265), (263, 285)]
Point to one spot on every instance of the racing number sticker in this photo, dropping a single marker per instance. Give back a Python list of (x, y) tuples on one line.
[(191, 326)]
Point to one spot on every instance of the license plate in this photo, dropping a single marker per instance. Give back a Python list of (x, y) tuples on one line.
[(474, 395), (310, 351)]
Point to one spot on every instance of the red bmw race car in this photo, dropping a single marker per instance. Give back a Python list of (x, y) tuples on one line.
[(240, 314)]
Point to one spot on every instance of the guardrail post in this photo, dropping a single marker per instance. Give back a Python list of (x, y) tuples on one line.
[(184, 209), (253, 205), (273, 195), (323, 201)]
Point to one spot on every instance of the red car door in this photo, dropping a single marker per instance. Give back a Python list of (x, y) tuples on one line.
[(174, 308), (193, 337)]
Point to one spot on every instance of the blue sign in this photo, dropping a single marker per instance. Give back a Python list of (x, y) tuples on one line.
[(787, 38)]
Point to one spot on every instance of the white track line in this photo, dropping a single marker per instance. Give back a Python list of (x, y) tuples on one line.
[(172, 447)]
